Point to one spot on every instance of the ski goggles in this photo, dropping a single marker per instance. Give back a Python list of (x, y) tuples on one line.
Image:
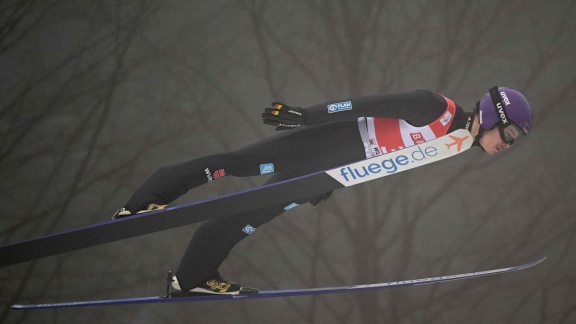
[(509, 131)]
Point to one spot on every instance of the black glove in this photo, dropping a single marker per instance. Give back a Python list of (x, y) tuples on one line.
[(283, 116), (321, 198)]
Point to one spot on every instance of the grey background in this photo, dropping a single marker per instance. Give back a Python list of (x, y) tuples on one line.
[(97, 95)]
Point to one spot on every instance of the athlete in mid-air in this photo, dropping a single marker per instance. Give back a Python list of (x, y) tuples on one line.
[(322, 137)]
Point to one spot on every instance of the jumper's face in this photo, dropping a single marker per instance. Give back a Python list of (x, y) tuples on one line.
[(492, 141)]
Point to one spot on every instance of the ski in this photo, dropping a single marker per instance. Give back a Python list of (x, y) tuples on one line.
[(279, 293), (264, 196)]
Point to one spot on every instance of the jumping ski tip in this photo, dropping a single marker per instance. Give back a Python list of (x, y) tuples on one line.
[(280, 293)]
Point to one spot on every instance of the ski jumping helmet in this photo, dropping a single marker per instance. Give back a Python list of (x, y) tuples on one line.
[(507, 109)]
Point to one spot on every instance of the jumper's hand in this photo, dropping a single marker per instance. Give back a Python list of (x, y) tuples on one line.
[(283, 116), (321, 198)]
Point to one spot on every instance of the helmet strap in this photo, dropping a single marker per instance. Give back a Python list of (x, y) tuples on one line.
[(469, 124), (499, 106), (477, 138)]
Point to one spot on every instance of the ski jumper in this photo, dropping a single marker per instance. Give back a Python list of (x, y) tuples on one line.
[(340, 133)]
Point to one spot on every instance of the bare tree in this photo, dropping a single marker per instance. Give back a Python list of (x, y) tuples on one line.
[(65, 109), (100, 94)]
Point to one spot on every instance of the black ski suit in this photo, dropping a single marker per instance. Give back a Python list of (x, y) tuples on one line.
[(331, 140)]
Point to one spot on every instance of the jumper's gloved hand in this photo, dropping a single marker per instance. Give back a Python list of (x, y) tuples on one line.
[(321, 198), (283, 116)]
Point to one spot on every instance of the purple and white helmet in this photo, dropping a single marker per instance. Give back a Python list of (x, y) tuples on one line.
[(502, 107)]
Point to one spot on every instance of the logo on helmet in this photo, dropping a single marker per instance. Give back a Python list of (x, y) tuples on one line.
[(505, 98), (502, 114)]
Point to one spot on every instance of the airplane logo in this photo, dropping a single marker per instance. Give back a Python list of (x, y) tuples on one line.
[(457, 141)]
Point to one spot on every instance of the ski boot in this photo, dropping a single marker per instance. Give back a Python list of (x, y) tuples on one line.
[(123, 212), (214, 286)]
